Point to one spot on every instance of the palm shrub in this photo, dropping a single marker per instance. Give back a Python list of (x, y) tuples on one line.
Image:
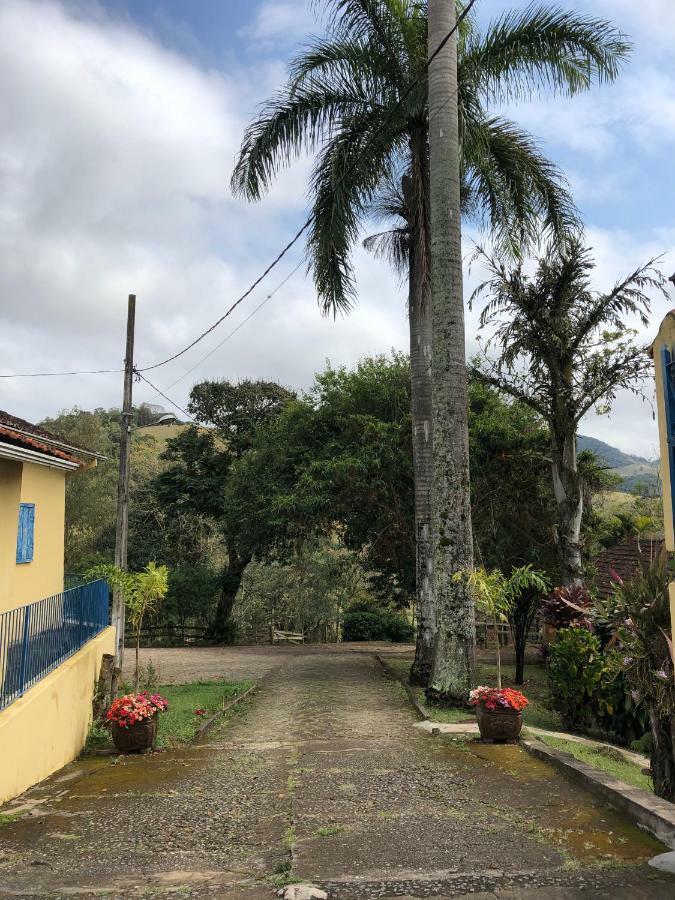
[(496, 595), (353, 99), (142, 592), (641, 611)]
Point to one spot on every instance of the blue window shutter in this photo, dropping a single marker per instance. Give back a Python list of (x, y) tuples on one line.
[(24, 540)]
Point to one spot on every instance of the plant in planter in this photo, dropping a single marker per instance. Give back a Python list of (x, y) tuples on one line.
[(133, 721), (499, 712)]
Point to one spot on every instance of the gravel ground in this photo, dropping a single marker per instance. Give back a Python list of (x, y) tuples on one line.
[(323, 776)]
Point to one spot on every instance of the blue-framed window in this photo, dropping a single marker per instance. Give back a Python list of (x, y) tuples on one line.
[(24, 538)]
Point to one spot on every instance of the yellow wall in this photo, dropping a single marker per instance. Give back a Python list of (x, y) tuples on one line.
[(665, 338), (46, 488), (47, 727), (10, 496)]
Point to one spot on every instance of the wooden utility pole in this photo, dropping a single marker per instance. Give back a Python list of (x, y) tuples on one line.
[(122, 529), (452, 543)]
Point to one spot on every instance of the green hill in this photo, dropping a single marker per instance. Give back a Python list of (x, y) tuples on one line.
[(632, 469)]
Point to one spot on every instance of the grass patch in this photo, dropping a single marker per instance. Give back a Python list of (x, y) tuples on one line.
[(535, 689), (327, 830), (8, 818), (596, 757), (179, 724)]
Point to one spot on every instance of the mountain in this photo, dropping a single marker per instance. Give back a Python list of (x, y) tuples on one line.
[(632, 469)]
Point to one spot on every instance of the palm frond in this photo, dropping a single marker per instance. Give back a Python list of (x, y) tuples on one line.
[(392, 246), (542, 48), (513, 188), (344, 181), (287, 126)]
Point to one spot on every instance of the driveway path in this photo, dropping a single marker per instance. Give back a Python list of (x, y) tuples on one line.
[(325, 778)]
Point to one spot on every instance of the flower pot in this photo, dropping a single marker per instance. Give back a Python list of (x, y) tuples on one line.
[(137, 737), (499, 724)]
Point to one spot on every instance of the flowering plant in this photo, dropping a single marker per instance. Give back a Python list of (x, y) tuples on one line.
[(498, 698), (131, 708)]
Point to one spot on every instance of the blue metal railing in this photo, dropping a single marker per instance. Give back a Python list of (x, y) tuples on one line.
[(36, 638)]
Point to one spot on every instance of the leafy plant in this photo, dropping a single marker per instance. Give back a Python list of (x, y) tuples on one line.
[(142, 593), (567, 606), (495, 594), (577, 670), (641, 612)]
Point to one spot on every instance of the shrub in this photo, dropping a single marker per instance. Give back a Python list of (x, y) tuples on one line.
[(363, 626), (640, 610), (567, 606), (398, 629), (371, 624), (577, 671)]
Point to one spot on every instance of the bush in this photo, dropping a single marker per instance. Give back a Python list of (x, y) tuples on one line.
[(368, 624), (577, 671), (398, 629), (363, 626), (567, 606)]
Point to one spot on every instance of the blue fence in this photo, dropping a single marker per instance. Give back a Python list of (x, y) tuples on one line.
[(36, 638)]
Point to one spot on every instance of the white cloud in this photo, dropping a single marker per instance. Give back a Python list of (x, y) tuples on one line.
[(277, 22), (115, 157)]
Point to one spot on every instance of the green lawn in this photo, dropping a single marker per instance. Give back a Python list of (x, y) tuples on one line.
[(621, 769), (179, 724), (535, 689)]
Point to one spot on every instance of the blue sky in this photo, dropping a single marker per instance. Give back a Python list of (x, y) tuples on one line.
[(119, 124)]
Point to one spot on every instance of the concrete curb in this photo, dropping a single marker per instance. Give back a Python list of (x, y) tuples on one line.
[(208, 725), (419, 708), (649, 812)]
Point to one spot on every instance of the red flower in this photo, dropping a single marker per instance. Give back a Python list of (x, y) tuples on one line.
[(132, 708)]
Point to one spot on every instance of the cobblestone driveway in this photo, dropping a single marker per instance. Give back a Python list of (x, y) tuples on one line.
[(323, 778)]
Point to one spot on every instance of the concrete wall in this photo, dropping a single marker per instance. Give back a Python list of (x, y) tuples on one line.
[(47, 727), (46, 488)]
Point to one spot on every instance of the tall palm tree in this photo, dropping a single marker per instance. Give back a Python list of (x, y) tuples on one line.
[(357, 98)]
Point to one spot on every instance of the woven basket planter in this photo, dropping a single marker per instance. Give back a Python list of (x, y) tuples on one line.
[(499, 724), (137, 737)]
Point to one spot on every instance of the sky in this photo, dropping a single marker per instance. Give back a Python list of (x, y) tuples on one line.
[(120, 121)]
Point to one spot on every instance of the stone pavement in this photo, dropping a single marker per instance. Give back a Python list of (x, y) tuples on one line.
[(180, 665), (324, 778)]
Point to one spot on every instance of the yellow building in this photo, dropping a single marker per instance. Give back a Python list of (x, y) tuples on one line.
[(51, 641)]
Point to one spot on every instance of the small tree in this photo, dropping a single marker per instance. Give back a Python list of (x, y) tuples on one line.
[(495, 595), (142, 593), (564, 349)]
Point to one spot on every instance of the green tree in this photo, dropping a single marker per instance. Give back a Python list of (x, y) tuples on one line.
[(564, 349), (353, 99), (237, 409)]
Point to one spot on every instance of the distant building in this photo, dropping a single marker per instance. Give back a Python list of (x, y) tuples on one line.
[(166, 419)]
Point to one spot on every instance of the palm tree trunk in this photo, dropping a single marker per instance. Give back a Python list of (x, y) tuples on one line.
[(452, 672), (569, 501), (416, 195)]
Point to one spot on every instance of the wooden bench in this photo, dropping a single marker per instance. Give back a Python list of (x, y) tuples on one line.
[(287, 637)]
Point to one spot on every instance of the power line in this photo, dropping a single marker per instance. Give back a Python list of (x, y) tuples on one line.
[(59, 374), (406, 93), (465, 12), (235, 330), (138, 374)]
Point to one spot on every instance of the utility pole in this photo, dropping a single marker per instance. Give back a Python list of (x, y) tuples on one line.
[(452, 542), (122, 529)]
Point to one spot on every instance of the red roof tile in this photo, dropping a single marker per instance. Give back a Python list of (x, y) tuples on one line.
[(623, 559)]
